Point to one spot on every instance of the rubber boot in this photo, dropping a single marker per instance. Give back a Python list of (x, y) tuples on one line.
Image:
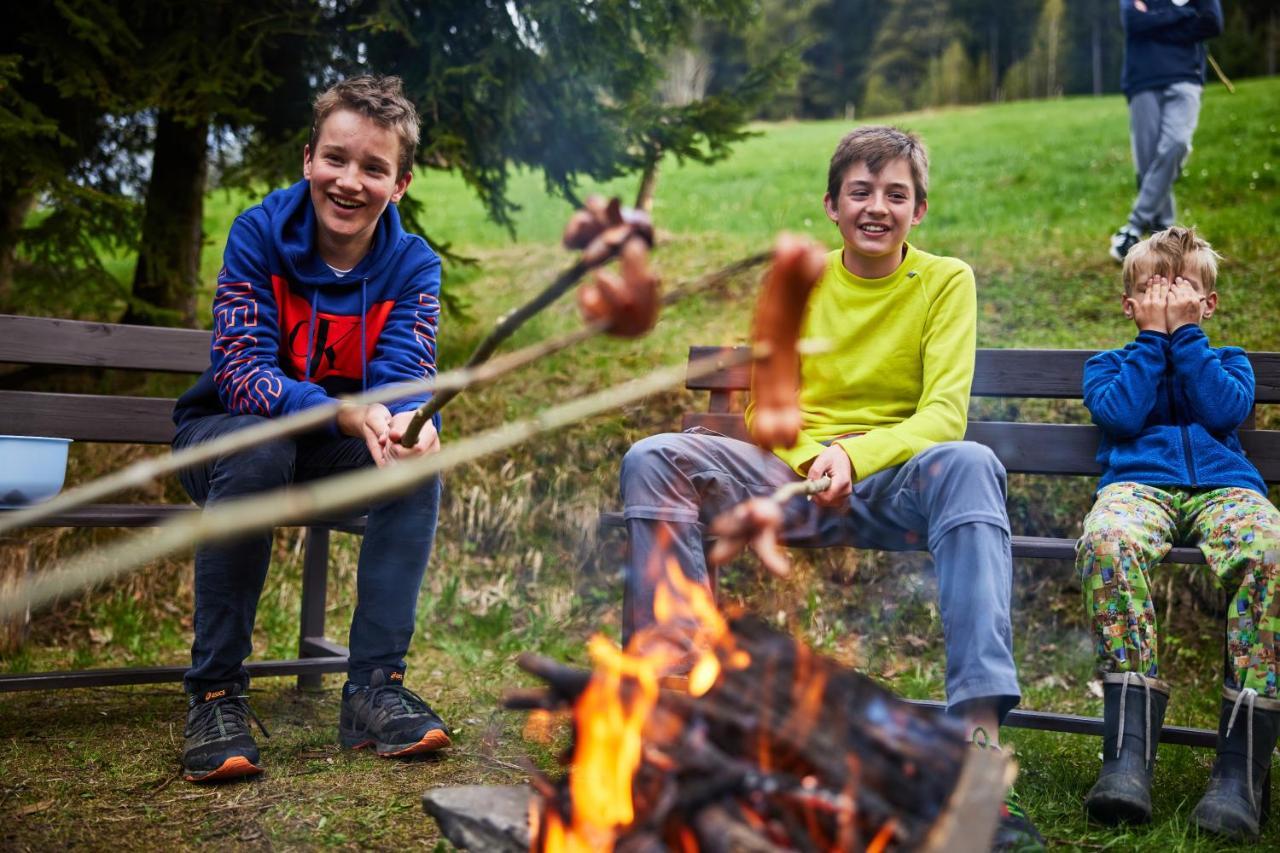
[(1236, 802), (1133, 713)]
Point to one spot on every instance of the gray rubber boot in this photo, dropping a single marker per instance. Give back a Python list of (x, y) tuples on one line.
[(1133, 713), (1237, 799)]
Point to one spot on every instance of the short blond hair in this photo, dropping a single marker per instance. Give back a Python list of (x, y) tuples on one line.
[(1168, 253), (379, 98), (877, 146)]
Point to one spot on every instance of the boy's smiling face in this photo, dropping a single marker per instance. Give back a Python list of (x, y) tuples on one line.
[(353, 178), (874, 213)]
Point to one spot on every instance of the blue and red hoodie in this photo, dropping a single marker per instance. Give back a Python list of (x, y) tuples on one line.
[(290, 333), (1169, 407)]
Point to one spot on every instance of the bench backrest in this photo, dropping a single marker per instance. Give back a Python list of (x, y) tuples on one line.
[(1025, 448), (95, 417)]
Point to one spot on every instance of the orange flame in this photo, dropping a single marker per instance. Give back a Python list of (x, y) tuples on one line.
[(611, 714)]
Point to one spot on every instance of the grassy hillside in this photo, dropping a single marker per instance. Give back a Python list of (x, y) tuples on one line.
[(1027, 193)]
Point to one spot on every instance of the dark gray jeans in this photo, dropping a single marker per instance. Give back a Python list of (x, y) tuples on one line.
[(229, 575), (950, 497)]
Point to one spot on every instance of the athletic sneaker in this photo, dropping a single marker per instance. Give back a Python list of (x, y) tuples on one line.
[(1122, 241), (1014, 830), (391, 718), (218, 742)]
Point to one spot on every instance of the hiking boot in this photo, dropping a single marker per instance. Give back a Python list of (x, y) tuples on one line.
[(1132, 718), (1237, 800), (1122, 241), (388, 716), (1014, 829), (218, 742)]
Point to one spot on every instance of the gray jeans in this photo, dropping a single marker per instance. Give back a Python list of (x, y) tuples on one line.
[(1161, 124), (950, 497)]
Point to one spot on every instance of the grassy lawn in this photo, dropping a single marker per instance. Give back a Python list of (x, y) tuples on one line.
[(1027, 193)]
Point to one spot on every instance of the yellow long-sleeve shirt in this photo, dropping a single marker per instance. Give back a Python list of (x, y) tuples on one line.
[(896, 379)]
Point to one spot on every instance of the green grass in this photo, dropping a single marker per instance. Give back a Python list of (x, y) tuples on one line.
[(1027, 193)]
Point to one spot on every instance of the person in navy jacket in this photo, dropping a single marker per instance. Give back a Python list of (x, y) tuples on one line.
[(321, 293), (1162, 79), (1174, 472)]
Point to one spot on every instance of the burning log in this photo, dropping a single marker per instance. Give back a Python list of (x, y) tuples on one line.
[(771, 747)]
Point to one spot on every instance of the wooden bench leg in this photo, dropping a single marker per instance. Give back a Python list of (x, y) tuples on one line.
[(315, 575)]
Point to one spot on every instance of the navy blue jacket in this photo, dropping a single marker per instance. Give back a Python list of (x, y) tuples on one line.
[(1169, 406), (1165, 44), (289, 333)]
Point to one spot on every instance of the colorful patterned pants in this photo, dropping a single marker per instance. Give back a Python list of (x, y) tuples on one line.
[(1131, 527)]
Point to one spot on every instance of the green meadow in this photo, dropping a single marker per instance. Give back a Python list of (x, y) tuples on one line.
[(1027, 193)]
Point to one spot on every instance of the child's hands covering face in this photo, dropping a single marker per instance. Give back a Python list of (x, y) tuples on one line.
[(1183, 305), (1149, 307)]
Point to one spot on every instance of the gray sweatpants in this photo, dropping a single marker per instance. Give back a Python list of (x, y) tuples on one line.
[(950, 497), (1161, 124)]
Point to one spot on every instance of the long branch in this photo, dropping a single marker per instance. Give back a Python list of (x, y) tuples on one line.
[(503, 329), (335, 494), (143, 472)]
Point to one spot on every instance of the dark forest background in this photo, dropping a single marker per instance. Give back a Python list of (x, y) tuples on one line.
[(117, 118)]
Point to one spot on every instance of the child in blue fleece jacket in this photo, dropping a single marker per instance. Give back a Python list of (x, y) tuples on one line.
[(321, 293), (1174, 472)]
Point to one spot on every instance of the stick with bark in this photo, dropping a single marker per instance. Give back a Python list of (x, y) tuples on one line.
[(143, 472), (600, 231), (334, 495)]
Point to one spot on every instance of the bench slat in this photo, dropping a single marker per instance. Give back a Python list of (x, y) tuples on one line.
[(73, 343), (1035, 448), (87, 417), (1033, 547), (1054, 374), (154, 515)]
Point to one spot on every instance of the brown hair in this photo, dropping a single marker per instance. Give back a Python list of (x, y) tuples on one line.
[(1168, 253), (876, 146), (376, 97)]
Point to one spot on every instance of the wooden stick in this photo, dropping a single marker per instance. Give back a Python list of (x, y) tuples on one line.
[(1218, 70), (141, 473), (334, 495)]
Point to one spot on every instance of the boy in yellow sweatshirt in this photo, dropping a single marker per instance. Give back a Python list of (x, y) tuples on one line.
[(884, 412)]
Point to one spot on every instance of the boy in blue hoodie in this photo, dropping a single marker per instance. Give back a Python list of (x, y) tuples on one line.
[(1173, 472), (321, 293)]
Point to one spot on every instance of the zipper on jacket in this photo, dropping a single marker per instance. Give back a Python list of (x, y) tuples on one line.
[(1186, 450), (1174, 411)]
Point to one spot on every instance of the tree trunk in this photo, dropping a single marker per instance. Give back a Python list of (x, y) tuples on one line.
[(167, 275), (15, 204)]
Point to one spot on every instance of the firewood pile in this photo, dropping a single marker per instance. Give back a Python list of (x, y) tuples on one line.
[(764, 746)]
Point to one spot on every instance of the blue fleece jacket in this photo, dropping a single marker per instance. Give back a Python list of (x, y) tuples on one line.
[(1165, 44), (290, 333), (1169, 406)]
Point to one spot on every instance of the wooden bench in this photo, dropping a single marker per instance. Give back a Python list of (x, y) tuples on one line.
[(1024, 448), (38, 342)]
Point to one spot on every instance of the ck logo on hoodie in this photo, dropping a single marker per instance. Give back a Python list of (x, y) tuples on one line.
[(335, 349)]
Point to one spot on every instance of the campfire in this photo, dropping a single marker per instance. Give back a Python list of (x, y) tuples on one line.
[(715, 733)]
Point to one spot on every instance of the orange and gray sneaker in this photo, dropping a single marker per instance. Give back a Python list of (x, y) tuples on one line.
[(218, 743), (391, 718)]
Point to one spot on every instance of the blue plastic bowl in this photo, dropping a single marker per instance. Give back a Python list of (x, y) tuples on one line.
[(31, 469)]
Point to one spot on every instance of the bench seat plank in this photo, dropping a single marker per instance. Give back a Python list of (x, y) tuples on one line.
[(1034, 448), (74, 343), (1032, 373), (1034, 547), (87, 417), (161, 674)]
